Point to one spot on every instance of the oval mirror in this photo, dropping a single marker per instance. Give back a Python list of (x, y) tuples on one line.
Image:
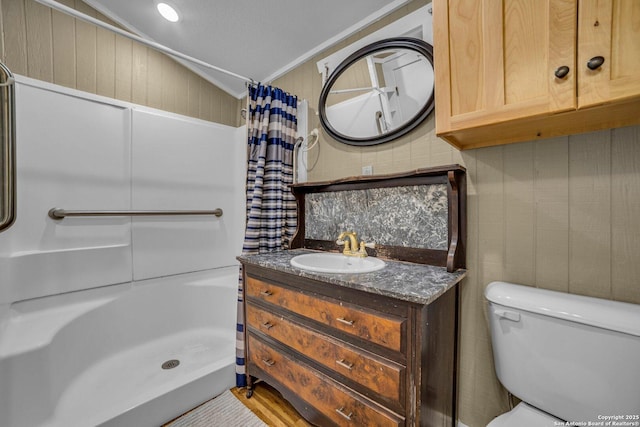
[(379, 93)]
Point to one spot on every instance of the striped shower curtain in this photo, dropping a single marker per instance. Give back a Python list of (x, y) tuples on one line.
[(271, 207)]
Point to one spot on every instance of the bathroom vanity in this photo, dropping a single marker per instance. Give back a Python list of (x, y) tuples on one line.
[(359, 349), (367, 349)]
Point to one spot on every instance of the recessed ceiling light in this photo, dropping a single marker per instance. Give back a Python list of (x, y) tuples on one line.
[(168, 12)]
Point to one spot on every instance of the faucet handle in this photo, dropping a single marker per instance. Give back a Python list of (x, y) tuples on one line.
[(371, 245), (362, 252)]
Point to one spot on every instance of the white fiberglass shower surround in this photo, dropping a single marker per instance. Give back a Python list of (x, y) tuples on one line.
[(92, 307)]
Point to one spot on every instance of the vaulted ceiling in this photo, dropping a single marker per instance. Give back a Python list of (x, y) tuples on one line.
[(256, 39)]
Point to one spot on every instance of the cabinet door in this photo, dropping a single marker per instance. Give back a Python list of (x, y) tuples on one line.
[(495, 60), (609, 29)]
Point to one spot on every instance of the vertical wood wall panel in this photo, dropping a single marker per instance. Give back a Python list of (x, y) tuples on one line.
[(39, 32), (519, 214), (106, 63), (86, 43), (590, 214), (182, 92), (401, 153), (64, 47), (216, 105), (154, 79), (551, 163), (193, 101), (441, 153), (205, 102), (488, 221), (14, 36), (51, 46), (470, 293), (124, 68), (491, 214), (168, 84), (420, 151), (625, 211), (86, 75), (139, 74)]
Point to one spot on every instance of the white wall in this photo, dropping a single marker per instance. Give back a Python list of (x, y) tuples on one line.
[(84, 152), (172, 171), (72, 154), (357, 116)]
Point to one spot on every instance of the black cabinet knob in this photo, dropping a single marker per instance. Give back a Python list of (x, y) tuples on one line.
[(595, 62), (562, 72)]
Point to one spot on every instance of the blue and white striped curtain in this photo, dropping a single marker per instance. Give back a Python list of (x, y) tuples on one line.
[(271, 207)]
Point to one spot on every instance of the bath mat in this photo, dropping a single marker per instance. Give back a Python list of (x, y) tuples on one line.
[(223, 411)]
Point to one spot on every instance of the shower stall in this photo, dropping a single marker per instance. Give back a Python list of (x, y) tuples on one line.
[(118, 278)]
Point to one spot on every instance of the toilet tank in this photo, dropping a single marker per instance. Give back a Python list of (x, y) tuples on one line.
[(575, 357)]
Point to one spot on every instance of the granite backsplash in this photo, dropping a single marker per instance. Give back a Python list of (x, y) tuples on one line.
[(411, 216)]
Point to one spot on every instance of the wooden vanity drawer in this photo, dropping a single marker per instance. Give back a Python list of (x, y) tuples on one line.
[(383, 377), (385, 330), (340, 404)]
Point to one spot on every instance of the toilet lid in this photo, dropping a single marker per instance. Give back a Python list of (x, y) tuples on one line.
[(524, 415)]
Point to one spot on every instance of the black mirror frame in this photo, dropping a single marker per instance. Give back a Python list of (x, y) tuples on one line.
[(414, 44)]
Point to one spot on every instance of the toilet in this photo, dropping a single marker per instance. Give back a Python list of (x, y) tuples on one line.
[(569, 358)]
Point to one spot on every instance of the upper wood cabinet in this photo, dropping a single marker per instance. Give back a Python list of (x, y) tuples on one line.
[(516, 70), (610, 29)]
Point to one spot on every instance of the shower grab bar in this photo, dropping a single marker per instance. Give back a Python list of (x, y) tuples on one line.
[(57, 213), (7, 148)]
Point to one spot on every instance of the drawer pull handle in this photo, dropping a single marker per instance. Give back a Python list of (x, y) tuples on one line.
[(266, 293), (341, 412), (267, 325), (269, 362), (345, 321), (344, 364)]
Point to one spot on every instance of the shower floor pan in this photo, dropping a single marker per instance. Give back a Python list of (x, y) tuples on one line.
[(95, 358), (132, 388)]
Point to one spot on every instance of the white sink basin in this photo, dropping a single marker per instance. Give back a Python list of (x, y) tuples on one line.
[(336, 263)]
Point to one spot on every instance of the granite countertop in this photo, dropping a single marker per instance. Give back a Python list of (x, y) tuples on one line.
[(418, 283)]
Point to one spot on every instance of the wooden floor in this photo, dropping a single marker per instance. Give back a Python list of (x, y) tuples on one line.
[(270, 406)]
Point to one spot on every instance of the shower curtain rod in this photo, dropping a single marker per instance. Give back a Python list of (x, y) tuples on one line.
[(69, 11)]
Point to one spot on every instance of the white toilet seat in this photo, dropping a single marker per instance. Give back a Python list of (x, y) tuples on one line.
[(524, 415)]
